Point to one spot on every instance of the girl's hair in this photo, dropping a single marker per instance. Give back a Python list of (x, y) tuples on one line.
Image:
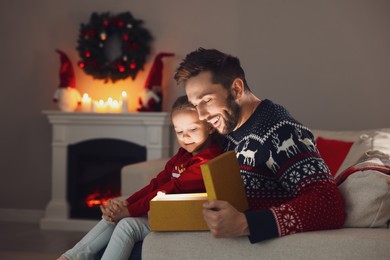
[(224, 68), (182, 103)]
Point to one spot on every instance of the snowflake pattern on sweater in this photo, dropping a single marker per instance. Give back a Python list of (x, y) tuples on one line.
[(283, 172)]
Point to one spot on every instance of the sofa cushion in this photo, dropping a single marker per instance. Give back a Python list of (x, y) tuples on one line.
[(347, 243), (350, 136), (369, 142), (365, 186), (333, 152), (365, 189)]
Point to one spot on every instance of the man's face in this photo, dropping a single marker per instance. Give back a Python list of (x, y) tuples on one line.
[(213, 102)]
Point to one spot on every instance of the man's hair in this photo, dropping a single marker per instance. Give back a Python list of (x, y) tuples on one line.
[(182, 103), (224, 68)]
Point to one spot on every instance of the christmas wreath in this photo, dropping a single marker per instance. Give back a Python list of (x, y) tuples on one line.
[(97, 38)]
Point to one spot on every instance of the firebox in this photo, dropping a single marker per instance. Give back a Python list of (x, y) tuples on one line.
[(94, 168)]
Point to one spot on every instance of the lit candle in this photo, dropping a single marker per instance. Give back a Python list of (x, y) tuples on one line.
[(124, 102), (99, 106), (109, 105), (86, 103), (112, 106), (115, 107)]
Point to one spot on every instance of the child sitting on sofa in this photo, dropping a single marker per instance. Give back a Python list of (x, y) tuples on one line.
[(124, 222)]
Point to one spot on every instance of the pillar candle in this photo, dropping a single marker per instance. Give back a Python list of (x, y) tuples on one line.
[(124, 102), (99, 106), (109, 105), (115, 107), (86, 103), (112, 106)]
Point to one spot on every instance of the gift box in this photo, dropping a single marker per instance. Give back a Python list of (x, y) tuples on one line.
[(183, 212)]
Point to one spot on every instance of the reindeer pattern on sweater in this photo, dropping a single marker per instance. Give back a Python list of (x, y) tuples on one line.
[(281, 168)]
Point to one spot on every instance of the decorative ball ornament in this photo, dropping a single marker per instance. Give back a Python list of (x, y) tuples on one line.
[(113, 47)]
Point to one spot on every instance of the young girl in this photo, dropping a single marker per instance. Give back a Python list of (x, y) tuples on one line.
[(125, 222)]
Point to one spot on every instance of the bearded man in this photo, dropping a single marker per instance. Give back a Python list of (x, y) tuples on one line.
[(288, 185)]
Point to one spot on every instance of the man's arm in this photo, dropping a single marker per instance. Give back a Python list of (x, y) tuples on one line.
[(224, 220), (314, 202)]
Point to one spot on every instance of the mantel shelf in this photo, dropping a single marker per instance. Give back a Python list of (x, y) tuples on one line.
[(133, 118)]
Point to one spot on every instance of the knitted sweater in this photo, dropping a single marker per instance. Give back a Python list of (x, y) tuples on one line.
[(181, 174), (288, 185)]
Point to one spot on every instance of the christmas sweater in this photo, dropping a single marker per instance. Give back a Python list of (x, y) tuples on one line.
[(181, 174), (288, 185)]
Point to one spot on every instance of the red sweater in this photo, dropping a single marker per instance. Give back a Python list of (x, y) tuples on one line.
[(181, 174)]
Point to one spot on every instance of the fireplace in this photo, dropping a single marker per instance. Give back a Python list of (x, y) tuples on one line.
[(94, 173), (148, 135)]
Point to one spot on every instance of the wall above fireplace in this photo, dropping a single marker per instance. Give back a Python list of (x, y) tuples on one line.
[(149, 129)]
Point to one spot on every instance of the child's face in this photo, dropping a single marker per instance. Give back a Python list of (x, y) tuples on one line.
[(191, 133)]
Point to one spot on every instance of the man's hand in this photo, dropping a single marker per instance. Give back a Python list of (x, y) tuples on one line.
[(224, 220)]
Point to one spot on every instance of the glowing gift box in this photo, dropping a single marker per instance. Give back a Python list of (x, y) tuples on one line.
[(183, 212)]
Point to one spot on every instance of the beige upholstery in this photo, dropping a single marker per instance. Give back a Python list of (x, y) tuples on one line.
[(136, 176), (321, 245), (346, 243)]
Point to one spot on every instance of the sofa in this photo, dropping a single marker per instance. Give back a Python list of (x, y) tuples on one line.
[(360, 165)]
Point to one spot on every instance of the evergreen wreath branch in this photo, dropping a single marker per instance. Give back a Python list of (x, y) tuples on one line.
[(92, 40)]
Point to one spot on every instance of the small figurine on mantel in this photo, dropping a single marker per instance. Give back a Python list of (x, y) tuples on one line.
[(151, 98), (67, 96)]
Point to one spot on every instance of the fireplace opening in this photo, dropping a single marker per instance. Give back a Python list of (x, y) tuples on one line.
[(94, 168)]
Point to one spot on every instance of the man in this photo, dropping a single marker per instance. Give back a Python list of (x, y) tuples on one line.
[(288, 185)]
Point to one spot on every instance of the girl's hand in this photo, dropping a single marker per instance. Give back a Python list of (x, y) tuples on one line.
[(106, 215), (115, 210)]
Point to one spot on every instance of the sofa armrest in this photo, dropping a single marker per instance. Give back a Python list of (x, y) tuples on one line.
[(348, 136), (136, 176)]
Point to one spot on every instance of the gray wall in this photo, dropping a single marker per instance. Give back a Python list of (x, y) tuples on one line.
[(327, 61)]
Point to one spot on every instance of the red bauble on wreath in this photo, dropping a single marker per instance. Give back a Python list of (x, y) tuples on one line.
[(113, 47)]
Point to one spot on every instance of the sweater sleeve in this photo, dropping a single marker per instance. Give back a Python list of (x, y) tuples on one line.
[(317, 207), (161, 178), (316, 202), (189, 181)]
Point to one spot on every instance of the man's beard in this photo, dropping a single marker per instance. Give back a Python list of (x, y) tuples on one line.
[(231, 116)]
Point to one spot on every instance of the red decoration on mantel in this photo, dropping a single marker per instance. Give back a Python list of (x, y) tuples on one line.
[(67, 96), (151, 99), (67, 78)]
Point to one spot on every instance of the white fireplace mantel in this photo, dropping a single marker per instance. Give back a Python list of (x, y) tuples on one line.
[(149, 129)]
